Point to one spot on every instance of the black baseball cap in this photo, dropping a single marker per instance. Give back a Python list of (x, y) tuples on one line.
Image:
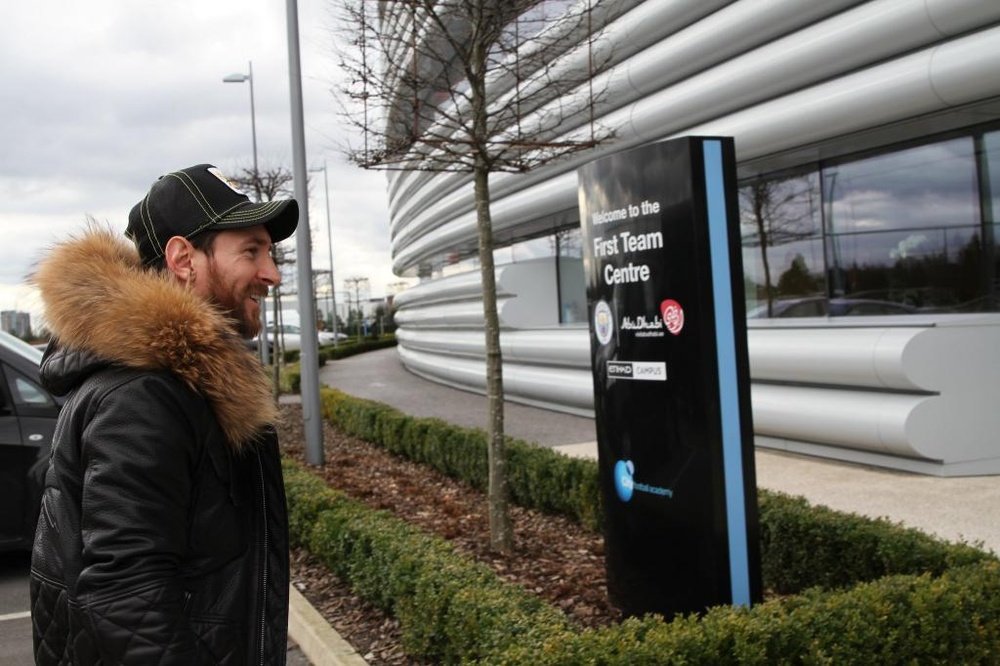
[(197, 199)]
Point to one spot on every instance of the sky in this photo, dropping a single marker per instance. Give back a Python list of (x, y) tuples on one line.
[(100, 98)]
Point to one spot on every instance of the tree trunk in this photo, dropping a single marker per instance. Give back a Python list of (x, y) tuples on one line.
[(758, 209), (501, 531)]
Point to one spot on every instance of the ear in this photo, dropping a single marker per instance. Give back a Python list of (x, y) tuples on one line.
[(179, 254)]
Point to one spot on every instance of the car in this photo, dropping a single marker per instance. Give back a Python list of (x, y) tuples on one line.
[(28, 416), (291, 337)]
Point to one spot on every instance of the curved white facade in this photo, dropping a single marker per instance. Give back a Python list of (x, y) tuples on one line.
[(796, 83)]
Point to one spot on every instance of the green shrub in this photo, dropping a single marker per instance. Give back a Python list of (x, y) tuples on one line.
[(954, 618), (864, 591), (537, 477), (451, 609), (804, 546)]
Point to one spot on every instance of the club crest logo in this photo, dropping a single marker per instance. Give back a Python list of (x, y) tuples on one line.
[(604, 323)]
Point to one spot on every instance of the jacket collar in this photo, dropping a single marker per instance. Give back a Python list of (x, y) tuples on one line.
[(102, 304)]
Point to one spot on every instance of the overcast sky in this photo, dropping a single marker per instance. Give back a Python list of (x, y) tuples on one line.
[(101, 97)]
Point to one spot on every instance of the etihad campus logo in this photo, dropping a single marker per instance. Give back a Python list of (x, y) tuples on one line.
[(604, 323)]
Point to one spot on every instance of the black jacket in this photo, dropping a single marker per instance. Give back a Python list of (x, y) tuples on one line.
[(162, 537)]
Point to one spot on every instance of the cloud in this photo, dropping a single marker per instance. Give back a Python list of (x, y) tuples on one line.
[(100, 98)]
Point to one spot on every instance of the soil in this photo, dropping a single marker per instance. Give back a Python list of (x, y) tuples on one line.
[(553, 557)]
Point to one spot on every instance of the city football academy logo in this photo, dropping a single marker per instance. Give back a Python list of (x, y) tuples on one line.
[(624, 483), (672, 315), (604, 324)]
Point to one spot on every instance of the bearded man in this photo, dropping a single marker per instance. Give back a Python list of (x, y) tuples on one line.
[(163, 534)]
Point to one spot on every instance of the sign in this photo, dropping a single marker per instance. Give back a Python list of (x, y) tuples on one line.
[(671, 381)]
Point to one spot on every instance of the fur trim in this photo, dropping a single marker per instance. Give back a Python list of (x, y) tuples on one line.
[(98, 298)]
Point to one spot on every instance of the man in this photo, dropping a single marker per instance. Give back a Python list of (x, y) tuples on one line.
[(162, 537)]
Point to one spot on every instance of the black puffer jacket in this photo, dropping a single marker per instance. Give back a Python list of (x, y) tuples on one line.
[(162, 537)]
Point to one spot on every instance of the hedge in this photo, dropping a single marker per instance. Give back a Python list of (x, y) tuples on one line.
[(451, 609), (863, 590), (538, 478), (345, 348)]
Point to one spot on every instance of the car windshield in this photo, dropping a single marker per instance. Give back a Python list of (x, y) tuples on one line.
[(20, 347)]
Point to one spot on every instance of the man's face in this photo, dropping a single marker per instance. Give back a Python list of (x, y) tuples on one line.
[(236, 274)]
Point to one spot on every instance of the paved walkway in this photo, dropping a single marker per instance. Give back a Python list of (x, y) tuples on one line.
[(964, 508)]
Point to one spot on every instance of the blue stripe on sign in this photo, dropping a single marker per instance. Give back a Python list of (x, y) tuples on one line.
[(725, 343)]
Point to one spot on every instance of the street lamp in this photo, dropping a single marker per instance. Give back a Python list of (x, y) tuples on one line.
[(329, 238), (240, 78)]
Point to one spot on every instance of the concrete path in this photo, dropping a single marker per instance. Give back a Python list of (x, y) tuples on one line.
[(964, 508)]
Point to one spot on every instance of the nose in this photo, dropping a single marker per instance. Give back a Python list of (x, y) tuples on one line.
[(269, 272)]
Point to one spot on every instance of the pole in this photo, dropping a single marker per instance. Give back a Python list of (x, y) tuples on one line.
[(309, 354), (253, 133), (329, 238), (262, 338)]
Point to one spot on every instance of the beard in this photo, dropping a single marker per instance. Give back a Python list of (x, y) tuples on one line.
[(234, 302)]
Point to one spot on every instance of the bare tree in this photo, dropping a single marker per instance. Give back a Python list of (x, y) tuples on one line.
[(478, 86)]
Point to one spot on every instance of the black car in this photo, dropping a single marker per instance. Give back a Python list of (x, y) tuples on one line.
[(27, 420)]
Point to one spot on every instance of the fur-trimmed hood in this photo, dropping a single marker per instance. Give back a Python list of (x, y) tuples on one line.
[(100, 302)]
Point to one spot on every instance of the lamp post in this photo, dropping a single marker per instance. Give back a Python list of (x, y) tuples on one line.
[(240, 78), (329, 238)]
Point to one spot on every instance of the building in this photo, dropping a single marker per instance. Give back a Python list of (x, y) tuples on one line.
[(868, 147), (16, 323)]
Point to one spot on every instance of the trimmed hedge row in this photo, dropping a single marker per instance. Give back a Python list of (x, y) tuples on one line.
[(873, 591), (537, 477), (346, 348), (450, 608), (454, 610), (952, 619), (801, 546)]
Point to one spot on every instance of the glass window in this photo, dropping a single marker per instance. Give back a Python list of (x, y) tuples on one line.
[(931, 270), (572, 280), (929, 186), (780, 226), (991, 199), (26, 392)]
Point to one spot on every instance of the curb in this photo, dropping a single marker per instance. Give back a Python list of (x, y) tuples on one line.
[(319, 642)]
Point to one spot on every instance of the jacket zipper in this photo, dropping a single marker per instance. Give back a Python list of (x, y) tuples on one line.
[(263, 603)]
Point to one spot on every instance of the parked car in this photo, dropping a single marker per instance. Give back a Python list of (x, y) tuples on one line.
[(292, 337), (27, 420)]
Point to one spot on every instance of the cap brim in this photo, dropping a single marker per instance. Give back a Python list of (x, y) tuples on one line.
[(280, 217)]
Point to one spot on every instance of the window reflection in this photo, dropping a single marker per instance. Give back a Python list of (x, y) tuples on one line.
[(926, 186), (991, 162), (572, 280), (908, 231), (782, 247)]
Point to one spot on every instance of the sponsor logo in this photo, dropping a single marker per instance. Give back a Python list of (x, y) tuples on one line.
[(622, 369), (604, 323), (640, 323), (624, 485), (642, 370), (672, 315)]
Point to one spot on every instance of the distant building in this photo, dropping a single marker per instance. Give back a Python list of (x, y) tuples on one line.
[(16, 323)]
